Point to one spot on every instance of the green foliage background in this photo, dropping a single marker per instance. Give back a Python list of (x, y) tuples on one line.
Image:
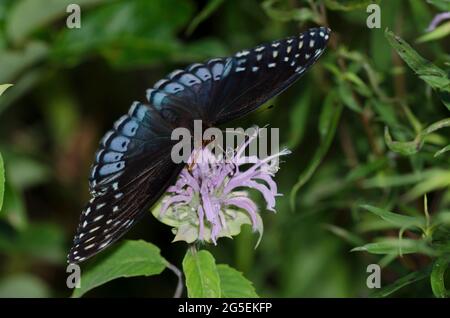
[(367, 182)]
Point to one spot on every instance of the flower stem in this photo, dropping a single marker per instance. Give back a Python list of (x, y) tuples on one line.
[(180, 286)]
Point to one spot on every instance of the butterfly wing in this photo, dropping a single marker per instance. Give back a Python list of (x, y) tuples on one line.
[(132, 168), (251, 77)]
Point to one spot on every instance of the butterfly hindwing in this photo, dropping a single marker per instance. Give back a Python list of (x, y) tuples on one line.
[(132, 168)]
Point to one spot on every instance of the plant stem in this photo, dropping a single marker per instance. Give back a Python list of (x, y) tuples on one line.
[(180, 285)]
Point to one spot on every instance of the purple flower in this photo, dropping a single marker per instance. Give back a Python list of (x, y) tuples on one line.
[(437, 20), (208, 200)]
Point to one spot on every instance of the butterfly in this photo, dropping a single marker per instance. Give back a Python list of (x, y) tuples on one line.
[(133, 166)]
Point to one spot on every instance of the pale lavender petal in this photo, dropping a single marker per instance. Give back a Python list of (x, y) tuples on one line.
[(247, 205), (437, 20)]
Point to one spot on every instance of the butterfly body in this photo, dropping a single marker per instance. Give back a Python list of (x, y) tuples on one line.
[(133, 167)]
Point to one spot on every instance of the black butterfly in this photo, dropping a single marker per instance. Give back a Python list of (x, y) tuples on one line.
[(133, 166)]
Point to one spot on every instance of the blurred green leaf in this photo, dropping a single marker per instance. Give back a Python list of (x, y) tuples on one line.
[(27, 16), (23, 286), (347, 97), (437, 277), (397, 246), (299, 118), (347, 5), (24, 171), (408, 148), (349, 237), (207, 11), (22, 85), (281, 11), (233, 284), (2, 181), (428, 72), (128, 259), (405, 148), (4, 87), (39, 241), (402, 282), (441, 151), (14, 62), (364, 170), (202, 276), (318, 156), (126, 33), (443, 5), (14, 207), (438, 33), (401, 221), (428, 184)]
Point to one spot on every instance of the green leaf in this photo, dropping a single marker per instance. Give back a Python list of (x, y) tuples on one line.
[(443, 5), (438, 33), (4, 87), (441, 151), (2, 181), (402, 282), (318, 156), (14, 62), (346, 95), (207, 11), (299, 118), (23, 286), (27, 16), (233, 284), (401, 221), (348, 5), (408, 148), (427, 71), (150, 38), (129, 259), (276, 11), (397, 246), (437, 277), (348, 236), (202, 276), (439, 179)]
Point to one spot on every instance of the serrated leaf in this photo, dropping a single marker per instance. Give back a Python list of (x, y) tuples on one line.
[(427, 71), (202, 276), (128, 259), (233, 284), (401, 221)]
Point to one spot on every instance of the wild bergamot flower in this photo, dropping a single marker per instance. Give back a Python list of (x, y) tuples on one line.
[(209, 200)]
